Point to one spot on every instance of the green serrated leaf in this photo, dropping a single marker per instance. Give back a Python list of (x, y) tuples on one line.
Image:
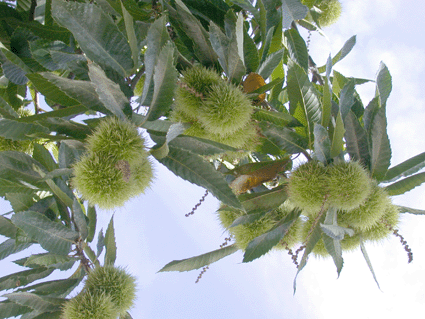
[(297, 48), (110, 244), (404, 185), (80, 219), (369, 264), (338, 136), (304, 102), (383, 84), (10, 309), (92, 215), (17, 131), (346, 99), (52, 236), (197, 171), (109, 92), (263, 201), (7, 228), (309, 245), (20, 201), (44, 157), (49, 260), (322, 144), (404, 209), (227, 52), (284, 138), (263, 243), (251, 56), (406, 168), (96, 33), (346, 48), (23, 278), (13, 67), (270, 63), (165, 81), (292, 10), (356, 139), (157, 37), (9, 247), (131, 35), (278, 118), (381, 149), (38, 303), (199, 261)]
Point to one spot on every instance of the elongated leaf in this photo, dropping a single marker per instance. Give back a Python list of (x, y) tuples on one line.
[(110, 244), (50, 261), (7, 228), (270, 64), (251, 56), (346, 99), (165, 79), (80, 219), (91, 214), (82, 91), (193, 29), (109, 92), (35, 302), (266, 45), (404, 185), (157, 37), (54, 288), (404, 209), (356, 139), (381, 149), (52, 236), (247, 219), (346, 48), (327, 95), (10, 309), (17, 131), (369, 264), (297, 48), (406, 168), (7, 186), (227, 52), (96, 33), (131, 35), (199, 261), (44, 157), (197, 171), (263, 243), (69, 152), (20, 166), (333, 247), (383, 84), (284, 138), (100, 243), (304, 102), (19, 201), (322, 144), (10, 246), (278, 118), (314, 238), (23, 278), (292, 10), (338, 137), (13, 67)]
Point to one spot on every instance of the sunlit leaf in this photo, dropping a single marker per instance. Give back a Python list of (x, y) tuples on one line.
[(383, 84), (406, 168), (346, 48), (197, 171), (52, 236), (284, 138), (199, 261), (404, 185), (381, 149), (297, 48), (110, 244)]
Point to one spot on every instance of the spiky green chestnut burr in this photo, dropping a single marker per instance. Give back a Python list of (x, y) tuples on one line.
[(194, 87), (115, 167), (307, 187), (348, 185), (331, 11), (225, 109), (384, 226), (89, 306), (368, 213), (114, 282)]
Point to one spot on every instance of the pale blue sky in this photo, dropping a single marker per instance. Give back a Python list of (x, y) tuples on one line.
[(152, 229)]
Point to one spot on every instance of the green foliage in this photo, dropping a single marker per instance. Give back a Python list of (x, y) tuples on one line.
[(297, 160)]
